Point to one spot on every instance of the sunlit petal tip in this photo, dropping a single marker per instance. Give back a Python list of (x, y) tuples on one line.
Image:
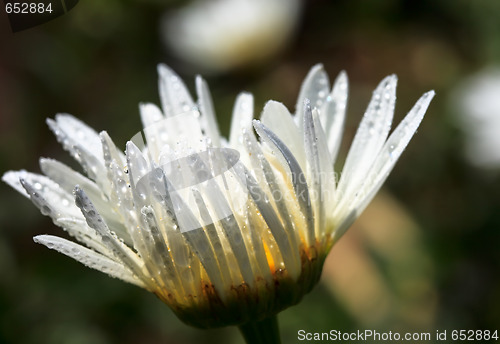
[(12, 178), (341, 84), (162, 70), (342, 76)]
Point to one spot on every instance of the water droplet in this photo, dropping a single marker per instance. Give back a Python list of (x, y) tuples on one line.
[(45, 210)]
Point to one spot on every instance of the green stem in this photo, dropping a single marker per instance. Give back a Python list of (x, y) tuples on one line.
[(261, 332)]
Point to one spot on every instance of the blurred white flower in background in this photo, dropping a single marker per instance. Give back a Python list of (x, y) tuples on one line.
[(477, 102), (221, 35)]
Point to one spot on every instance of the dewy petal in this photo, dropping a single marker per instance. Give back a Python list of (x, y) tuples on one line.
[(110, 151), (297, 176), (182, 115), (315, 88), (75, 226), (220, 250), (276, 191), (67, 178), (83, 143), (48, 196), (319, 169), (242, 119), (137, 164), (277, 118), (79, 133), (333, 112), (314, 171), (80, 230), (154, 188), (386, 159), (232, 230), (119, 249), (274, 224), (13, 179), (155, 130), (369, 138), (158, 255), (200, 243), (174, 96), (392, 150), (89, 258), (207, 111)]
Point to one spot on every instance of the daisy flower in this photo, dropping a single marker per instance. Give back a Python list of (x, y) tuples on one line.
[(225, 232), (221, 35)]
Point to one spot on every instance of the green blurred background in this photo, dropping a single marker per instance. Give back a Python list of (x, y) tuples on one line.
[(423, 257)]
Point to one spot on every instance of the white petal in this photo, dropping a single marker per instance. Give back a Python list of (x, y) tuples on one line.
[(89, 258), (12, 178), (80, 230), (275, 189), (110, 151), (230, 227), (369, 138), (80, 133), (158, 259), (174, 96), (272, 220), (150, 114), (276, 117), (119, 249), (83, 143), (315, 88), (67, 179), (221, 251), (48, 196), (333, 114), (155, 130), (257, 239), (321, 179), (182, 115), (75, 225), (242, 119), (207, 111), (393, 149), (137, 164), (386, 159), (298, 178)]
